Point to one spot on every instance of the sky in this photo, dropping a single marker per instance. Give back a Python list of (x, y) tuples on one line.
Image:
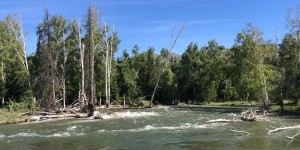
[(149, 23)]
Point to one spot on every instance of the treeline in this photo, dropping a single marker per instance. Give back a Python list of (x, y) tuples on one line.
[(75, 64)]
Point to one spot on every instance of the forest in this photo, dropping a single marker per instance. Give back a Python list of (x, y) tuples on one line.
[(75, 63)]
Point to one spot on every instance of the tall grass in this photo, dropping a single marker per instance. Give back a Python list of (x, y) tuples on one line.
[(13, 113)]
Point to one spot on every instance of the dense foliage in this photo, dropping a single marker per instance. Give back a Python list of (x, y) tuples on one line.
[(253, 69)]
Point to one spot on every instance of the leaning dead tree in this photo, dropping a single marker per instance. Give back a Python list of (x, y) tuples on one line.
[(171, 46)]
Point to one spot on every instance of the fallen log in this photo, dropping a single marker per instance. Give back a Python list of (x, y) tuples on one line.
[(79, 115), (283, 128), (240, 131), (59, 116), (220, 121)]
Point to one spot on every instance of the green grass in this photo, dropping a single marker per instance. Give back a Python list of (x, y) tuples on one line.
[(229, 103), (11, 117), (289, 109)]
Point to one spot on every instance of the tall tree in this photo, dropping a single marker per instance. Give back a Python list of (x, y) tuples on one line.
[(189, 73), (252, 70), (60, 52), (15, 85), (91, 26), (51, 34)]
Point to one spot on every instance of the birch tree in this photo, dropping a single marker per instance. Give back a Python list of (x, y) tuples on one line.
[(82, 96)]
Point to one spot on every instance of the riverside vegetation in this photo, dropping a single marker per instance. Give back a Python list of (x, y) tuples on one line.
[(74, 66)]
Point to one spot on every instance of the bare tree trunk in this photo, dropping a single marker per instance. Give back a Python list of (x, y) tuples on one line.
[(90, 61), (64, 88), (155, 88), (82, 92), (109, 65), (3, 82), (107, 100), (124, 105), (82, 96), (106, 76), (278, 71), (65, 53), (100, 101), (51, 65)]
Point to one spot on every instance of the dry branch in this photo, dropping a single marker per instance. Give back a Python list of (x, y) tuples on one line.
[(240, 131)]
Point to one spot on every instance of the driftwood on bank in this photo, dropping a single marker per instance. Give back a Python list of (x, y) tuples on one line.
[(221, 121), (248, 115), (283, 128)]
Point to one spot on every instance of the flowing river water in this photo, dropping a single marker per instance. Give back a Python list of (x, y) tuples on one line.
[(157, 128)]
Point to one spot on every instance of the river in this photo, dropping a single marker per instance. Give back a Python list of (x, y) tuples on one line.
[(157, 128)]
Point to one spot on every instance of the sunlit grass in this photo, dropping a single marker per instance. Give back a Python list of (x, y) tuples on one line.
[(287, 109), (10, 117), (230, 103)]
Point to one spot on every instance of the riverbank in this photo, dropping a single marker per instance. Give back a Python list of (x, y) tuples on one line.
[(12, 117), (162, 127)]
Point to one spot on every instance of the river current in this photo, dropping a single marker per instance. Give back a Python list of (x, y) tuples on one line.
[(157, 128)]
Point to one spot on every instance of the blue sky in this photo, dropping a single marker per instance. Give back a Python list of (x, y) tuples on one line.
[(149, 22)]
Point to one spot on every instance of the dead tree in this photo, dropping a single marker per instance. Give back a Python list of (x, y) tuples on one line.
[(89, 59), (277, 50), (109, 50), (63, 78), (171, 46), (2, 76), (47, 78), (107, 100), (82, 96)]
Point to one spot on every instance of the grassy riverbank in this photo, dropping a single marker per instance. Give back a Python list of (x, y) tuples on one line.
[(11, 117), (13, 114), (230, 103), (291, 109)]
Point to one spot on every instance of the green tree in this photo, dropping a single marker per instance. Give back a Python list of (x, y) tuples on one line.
[(189, 72), (252, 72)]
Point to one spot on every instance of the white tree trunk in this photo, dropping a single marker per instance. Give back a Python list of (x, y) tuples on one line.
[(124, 105), (3, 82), (109, 65), (82, 96), (107, 100), (106, 75)]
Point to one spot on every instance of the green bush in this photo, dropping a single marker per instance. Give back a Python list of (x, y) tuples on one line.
[(18, 107)]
